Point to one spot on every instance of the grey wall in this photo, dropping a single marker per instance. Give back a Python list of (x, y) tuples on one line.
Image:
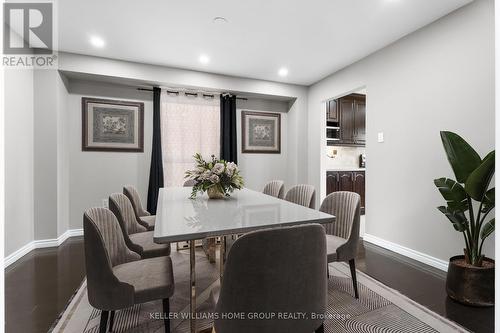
[(45, 154), (18, 159), (258, 169), (93, 176), (438, 78)]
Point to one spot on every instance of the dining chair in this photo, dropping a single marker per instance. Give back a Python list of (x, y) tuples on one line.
[(303, 195), (116, 277), (269, 271), (137, 237), (275, 188), (342, 236), (143, 216)]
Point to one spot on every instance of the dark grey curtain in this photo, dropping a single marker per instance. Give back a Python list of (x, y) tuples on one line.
[(156, 168), (228, 142)]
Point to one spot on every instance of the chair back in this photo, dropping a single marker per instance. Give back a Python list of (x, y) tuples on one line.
[(279, 270), (346, 208), (105, 248), (275, 188), (189, 183), (132, 194), (303, 195), (121, 206)]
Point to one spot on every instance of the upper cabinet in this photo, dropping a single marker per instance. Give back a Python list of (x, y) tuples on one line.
[(360, 120), (349, 112), (332, 111)]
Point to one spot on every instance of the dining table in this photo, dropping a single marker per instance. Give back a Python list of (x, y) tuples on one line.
[(180, 218)]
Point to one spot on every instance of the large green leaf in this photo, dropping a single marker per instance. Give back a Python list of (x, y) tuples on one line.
[(462, 157), (453, 193), (489, 200), (456, 217), (479, 180), (488, 229)]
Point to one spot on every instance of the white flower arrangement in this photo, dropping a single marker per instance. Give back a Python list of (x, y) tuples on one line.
[(215, 176)]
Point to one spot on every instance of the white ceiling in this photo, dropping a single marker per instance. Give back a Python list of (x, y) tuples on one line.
[(312, 39)]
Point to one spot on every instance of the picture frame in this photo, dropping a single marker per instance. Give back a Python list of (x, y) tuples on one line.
[(260, 132), (112, 125)]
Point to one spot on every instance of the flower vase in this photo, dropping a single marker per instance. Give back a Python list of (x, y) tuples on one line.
[(214, 193)]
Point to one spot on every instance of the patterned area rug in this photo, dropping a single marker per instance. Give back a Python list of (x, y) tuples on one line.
[(378, 309)]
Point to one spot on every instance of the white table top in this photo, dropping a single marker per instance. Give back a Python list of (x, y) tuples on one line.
[(179, 218)]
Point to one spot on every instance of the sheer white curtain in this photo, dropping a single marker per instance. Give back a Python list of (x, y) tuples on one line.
[(189, 125)]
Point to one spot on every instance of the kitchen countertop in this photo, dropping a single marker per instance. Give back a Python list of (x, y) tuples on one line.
[(346, 169)]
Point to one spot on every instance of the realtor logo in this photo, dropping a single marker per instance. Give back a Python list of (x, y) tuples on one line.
[(28, 28), (28, 39)]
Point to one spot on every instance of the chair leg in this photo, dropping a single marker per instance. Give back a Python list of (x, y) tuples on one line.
[(352, 265), (111, 320), (320, 329), (103, 326), (166, 312)]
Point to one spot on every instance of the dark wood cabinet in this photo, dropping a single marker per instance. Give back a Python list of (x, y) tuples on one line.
[(332, 111), (359, 121), (347, 120), (352, 181), (332, 182), (349, 112), (346, 181), (359, 186)]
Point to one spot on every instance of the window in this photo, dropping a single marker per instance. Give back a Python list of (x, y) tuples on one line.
[(189, 125)]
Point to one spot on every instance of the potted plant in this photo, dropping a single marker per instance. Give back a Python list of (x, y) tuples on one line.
[(217, 177), (469, 200)]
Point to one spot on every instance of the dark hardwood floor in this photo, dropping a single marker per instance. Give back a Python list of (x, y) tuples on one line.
[(38, 286)]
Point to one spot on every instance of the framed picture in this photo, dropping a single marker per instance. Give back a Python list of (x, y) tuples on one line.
[(260, 132), (110, 125)]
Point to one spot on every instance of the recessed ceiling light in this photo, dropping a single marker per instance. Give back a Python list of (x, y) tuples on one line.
[(204, 59), (283, 71), (97, 41), (220, 20)]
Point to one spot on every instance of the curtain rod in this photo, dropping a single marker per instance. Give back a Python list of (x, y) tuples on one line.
[(192, 94)]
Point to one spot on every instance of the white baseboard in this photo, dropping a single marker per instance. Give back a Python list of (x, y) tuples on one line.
[(407, 252), (40, 244)]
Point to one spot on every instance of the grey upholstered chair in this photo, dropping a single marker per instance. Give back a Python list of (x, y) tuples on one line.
[(303, 195), (342, 236), (143, 216), (137, 238), (116, 277), (279, 270), (275, 188), (189, 183)]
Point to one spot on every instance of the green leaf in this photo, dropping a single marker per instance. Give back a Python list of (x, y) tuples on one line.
[(479, 180), (462, 157), (453, 193), (456, 217), (489, 200), (488, 229)]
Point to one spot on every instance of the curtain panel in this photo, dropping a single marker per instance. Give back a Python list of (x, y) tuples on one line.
[(156, 167), (228, 141), (189, 125)]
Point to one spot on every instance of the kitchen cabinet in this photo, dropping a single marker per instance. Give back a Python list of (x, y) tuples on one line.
[(349, 112), (359, 186), (346, 120), (332, 182), (359, 121), (332, 112), (352, 181)]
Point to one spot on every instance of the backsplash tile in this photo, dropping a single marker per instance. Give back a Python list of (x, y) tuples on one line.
[(345, 157)]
